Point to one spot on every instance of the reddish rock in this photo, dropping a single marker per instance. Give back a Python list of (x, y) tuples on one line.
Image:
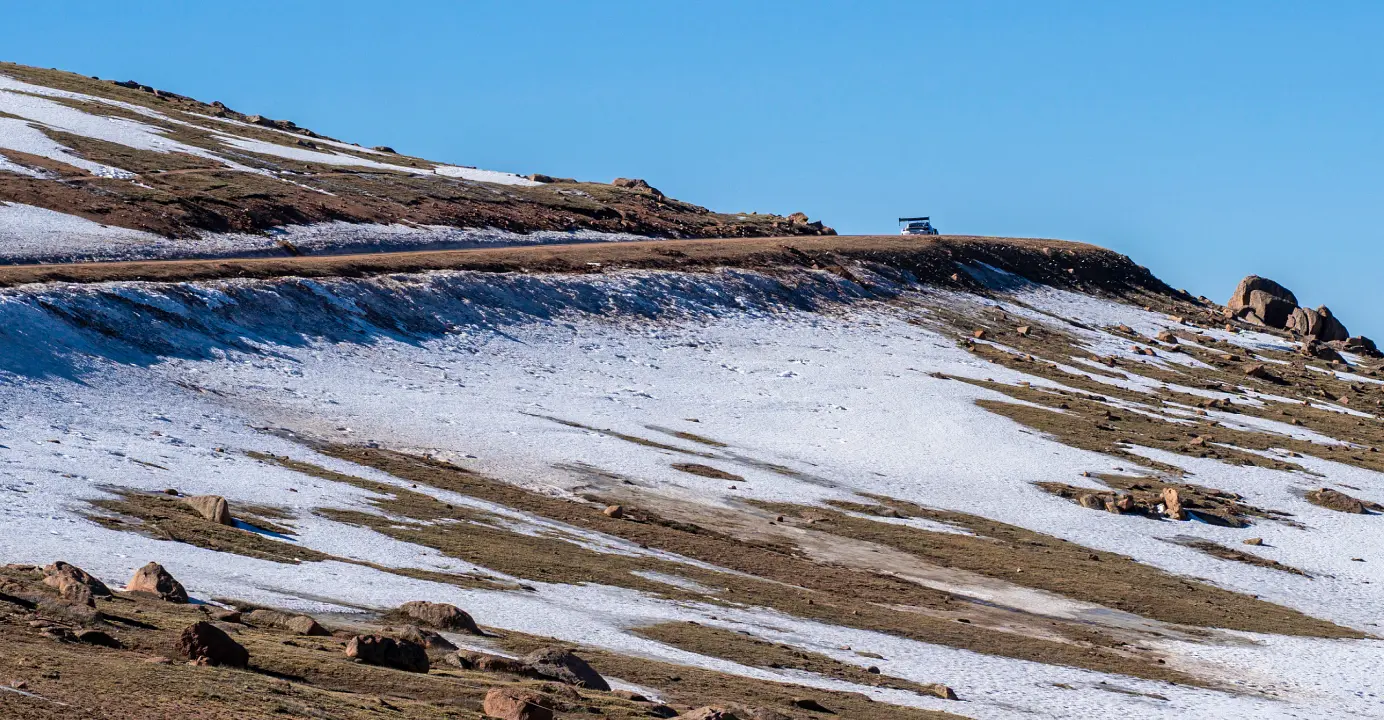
[(1172, 504), (153, 579), (206, 644), (516, 704), (301, 624), (74, 583), (211, 507)]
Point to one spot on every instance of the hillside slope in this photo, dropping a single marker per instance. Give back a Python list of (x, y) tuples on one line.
[(100, 170)]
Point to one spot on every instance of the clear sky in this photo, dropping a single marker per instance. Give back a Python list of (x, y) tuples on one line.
[(1206, 140)]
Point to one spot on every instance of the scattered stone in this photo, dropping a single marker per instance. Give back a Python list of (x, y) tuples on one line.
[(562, 665), (1259, 372), (941, 691), (1023, 330), (153, 579), (979, 334), (437, 615), (614, 511), (1253, 541), (204, 643), (388, 652), (74, 583), (516, 704), (301, 624), (1167, 337), (211, 507)]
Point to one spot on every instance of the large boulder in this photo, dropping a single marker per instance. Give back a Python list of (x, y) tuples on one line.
[(301, 624), (562, 665), (74, 583), (429, 639), (212, 507), (638, 184), (437, 615), (1272, 306), (1317, 324), (207, 644), (509, 703), (153, 579), (388, 652)]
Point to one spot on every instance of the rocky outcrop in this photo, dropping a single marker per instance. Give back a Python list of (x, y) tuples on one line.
[(517, 704), (564, 666), (206, 644), (211, 507), (639, 185), (388, 652), (1317, 324), (1262, 301), (153, 579), (437, 615)]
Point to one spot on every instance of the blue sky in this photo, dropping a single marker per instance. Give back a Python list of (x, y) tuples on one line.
[(1206, 140)]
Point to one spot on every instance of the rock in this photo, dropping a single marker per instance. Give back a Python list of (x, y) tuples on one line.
[(1023, 330), (1167, 337), (564, 666), (1269, 310), (427, 638), (630, 695), (211, 507), (1338, 501), (388, 652), (459, 661), (709, 713), (96, 637), (1321, 351), (638, 184), (1317, 324), (1253, 541), (438, 615), (661, 711), (486, 662), (979, 334), (809, 704), (1259, 371), (74, 583), (1268, 306), (301, 624), (516, 704), (384, 149), (1172, 504), (153, 579), (227, 616), (1091, 501), (205, 643), (614, 511), (1362, 346)]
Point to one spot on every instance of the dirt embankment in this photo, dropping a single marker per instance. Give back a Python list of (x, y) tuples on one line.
[(936, 260)]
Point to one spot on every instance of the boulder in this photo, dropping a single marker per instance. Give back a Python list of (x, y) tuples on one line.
[(207, 644), (1268, 309), (1242, 302), (384, 149), (301, 624), (1361, 345), (388, 652), (1340, 502), (614, 511), (485, 662), (74, 583), (517, 704), (211, 507), (438, 615), (809, 704), (798, 218), (564, 666), (427, 638), (153, 579), (1172, 504), (1321, 351)]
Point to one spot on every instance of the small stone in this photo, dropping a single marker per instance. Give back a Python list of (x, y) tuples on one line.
[(1253, 541), (614, 511)]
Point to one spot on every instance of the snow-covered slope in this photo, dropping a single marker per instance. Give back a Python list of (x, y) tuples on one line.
[(802, 388)]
